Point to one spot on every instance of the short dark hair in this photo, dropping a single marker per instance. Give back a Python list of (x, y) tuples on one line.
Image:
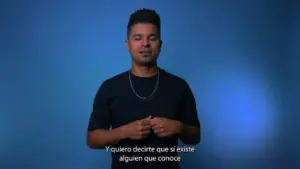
[(144, 16)]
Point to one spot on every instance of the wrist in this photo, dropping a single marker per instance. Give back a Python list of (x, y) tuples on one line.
[(180, 127), (122, 132)]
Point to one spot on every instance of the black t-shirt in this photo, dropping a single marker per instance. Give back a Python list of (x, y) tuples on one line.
[(117, 104)]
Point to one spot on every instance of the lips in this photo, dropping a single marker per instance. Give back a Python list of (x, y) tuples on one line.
[(145, 52)]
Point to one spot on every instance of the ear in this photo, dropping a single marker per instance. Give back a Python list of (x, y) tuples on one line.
[(127, 43), (160, 43)]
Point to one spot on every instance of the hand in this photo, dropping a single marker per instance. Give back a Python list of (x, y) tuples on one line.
[(165, 127), (137, 130)]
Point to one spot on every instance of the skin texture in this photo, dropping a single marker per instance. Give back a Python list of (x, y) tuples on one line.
[(144, 45)]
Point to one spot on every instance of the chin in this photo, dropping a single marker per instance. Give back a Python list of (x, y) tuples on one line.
[(147, 63), (145, 60)]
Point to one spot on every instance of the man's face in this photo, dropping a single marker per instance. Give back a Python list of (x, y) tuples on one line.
[(144, 43)]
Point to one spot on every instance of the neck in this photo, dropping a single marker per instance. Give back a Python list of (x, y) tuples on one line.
[(144, 71)]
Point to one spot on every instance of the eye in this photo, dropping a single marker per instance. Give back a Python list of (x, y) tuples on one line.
[(153, 38), (136, 38)]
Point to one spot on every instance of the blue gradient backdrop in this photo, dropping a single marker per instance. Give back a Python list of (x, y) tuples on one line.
[(241, 58)]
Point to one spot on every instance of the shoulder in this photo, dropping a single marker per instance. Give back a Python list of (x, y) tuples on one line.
[(116, 79), (179, 85), (175, 80), (113, 82), (176, 84)]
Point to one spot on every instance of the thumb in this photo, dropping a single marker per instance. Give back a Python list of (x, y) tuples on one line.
[(149, 117)]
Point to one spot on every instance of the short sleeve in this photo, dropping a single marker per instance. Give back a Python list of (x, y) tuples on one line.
[(190, 114), (100, 116)]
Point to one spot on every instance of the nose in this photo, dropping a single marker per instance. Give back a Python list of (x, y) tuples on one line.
[(145, 42)]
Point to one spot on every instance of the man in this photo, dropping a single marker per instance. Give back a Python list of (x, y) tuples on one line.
[(145, 107)]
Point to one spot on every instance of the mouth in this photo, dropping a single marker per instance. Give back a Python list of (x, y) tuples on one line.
[(145, 52)]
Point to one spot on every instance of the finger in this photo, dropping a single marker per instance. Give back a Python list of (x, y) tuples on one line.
[(164, 134), (143, 127), (156, 127), (145, 132), (159, 131), (145, 122), (146, 127), (154, 121), (147, 118)]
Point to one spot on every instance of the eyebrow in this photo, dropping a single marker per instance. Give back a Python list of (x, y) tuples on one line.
[(150, 34)]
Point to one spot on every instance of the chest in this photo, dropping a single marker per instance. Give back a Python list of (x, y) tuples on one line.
[(127, 107)]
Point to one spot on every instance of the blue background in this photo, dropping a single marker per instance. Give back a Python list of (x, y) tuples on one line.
[(241, 59)]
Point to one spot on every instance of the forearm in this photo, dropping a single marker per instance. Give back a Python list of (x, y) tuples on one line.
[(99, 139), (190, 135)]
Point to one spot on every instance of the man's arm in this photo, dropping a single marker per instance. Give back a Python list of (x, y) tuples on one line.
[(136, 130), (189, 135), (190, 132), (99, 134), (100, 138)]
